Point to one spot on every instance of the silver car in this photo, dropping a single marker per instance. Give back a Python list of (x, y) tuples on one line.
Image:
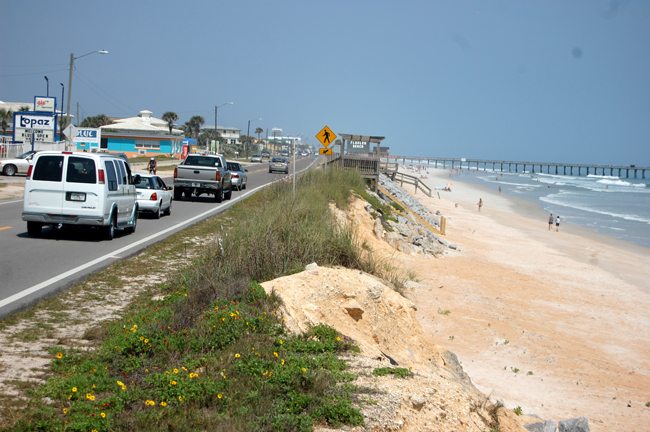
[(279, 164), (18, 165), (239, 177), (256, 158)]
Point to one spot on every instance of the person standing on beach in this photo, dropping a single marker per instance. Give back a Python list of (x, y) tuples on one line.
[(557, 224), (499, 189), (480, 204), (550, 222)]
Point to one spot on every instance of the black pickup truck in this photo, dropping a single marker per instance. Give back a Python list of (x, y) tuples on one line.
[(203, 174)]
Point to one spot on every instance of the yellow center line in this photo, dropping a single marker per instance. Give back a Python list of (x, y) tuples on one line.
[(4, 228)]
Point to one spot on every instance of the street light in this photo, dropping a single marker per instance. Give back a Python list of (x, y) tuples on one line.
[(248, 134), (48, 86), (72, 59), (215, 122)]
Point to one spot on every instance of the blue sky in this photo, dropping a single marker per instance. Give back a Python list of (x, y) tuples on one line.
[(548, 81)]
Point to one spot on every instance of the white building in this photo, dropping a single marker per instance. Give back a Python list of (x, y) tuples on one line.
[(230, 135)]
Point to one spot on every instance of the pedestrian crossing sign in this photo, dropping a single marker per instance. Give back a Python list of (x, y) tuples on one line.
[(326, 136), (325, 151)]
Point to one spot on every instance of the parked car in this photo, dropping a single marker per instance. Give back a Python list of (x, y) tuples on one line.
[(266, 155), (18, 165), (279, 164), (256, 158), (203, 174), (154, 195), (285, 153), (239, 178), (72, 188)]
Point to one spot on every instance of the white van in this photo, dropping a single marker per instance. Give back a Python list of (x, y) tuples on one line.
[(74, 188)]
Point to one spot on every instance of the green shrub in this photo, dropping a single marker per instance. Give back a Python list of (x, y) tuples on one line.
[(398, 372)]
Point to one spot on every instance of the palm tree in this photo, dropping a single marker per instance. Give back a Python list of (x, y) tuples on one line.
[(195, 125), (258, 131), (96, 121), (5, 117), (170, 117), (23, 108)]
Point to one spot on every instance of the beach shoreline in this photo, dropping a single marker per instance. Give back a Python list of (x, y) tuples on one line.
[(554, 322)]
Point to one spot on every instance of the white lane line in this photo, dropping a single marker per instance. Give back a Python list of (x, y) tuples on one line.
[(10, 202), (62, 276)]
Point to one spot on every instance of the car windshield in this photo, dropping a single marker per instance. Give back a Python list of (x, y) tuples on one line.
[(24, 155), (145, 183), (256, 155)]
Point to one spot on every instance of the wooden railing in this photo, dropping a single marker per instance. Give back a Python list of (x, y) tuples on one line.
[(402, 178)]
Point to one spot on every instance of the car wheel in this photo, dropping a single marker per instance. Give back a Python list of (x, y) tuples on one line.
[(228, 195), (178, 194), (109, 231), (156, 214), (168, 212), (244, 186), (218, 196), (270, 171), (9, 170), (188, 194), (34, 229), (131, 229)]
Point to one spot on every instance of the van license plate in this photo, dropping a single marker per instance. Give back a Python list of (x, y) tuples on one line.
[(75, 196), (196, 184)]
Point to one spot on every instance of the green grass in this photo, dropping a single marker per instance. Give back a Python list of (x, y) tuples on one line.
[(398, 372), (214, 351), (159, 157)]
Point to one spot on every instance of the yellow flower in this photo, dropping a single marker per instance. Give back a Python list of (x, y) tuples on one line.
[(219, 395), (185, 294), (163, 403), (94, 430), (180, 398), (146, 370), (123, 387), (146, 341), (282, 361), (237, 355), (172, 382), (338, 338), (304, 370), (150, 402), (103, 415), (59, 355), (93, 385), (265, 373), (253, 348), (184, 368), (141, 338), (275, 354), (281, 342), (120, 383), (74, 389), (175, 370), (65, 410), (88, 395), (69, 397), (232, 314), (167, 372)]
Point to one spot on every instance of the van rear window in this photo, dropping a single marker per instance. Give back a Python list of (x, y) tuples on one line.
[(81, 170), (48, 168)]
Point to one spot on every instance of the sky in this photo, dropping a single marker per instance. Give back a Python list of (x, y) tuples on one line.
[(539, 81)]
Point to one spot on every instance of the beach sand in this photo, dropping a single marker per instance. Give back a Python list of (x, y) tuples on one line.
[(555, 322)]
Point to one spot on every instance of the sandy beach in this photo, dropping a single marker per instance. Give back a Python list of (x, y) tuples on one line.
[(554, 322)]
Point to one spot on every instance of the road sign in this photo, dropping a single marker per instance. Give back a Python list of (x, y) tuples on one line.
[(325, 151), (326, 136), (70, 132)]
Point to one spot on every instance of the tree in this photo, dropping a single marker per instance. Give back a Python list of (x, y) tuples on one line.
[(23, 108), (259, 131), (195, 124), (170, 117), (96, 121), (5, 117)]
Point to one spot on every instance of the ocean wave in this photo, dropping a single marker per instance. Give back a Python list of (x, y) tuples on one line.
[(552, 199), (618, 182), (602, 176)]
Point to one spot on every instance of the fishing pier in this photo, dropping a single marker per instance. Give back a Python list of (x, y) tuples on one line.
[(629, 171)]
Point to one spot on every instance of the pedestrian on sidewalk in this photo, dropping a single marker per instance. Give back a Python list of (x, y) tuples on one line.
[(550, 222)]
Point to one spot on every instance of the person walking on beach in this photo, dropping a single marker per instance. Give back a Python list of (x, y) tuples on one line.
[(480, 204), (557, 224), (499, 189), (550, 222)]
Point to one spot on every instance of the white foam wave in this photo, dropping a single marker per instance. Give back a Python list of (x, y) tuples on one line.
[(618, 182), (553, 199), (602, 176)]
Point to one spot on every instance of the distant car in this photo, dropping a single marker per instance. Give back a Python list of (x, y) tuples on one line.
[(304, 154), (266, 155), (154, 196), (285, 153), (279, 164), (256, 158), (239, 178), (18, 165)]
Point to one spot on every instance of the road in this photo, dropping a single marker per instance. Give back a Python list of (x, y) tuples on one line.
[(32, 268)]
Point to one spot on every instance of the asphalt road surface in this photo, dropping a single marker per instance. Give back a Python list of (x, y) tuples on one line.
[(32, 268)]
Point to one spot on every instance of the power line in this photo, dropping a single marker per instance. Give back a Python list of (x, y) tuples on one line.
[(98, 94), (105, 92)]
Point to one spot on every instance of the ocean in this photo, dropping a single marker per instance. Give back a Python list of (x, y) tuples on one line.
[(619, 207)]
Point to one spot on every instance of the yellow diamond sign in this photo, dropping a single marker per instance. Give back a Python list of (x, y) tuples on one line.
[(326, 136)]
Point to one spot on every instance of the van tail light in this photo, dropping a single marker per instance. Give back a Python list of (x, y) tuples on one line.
[(175, 172), (66, 152), (154, 197), (29, 172), (235, 175), (101, 176), (218, 175)]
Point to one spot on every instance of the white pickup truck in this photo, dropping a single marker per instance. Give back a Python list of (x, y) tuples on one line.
[(203, 174)]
